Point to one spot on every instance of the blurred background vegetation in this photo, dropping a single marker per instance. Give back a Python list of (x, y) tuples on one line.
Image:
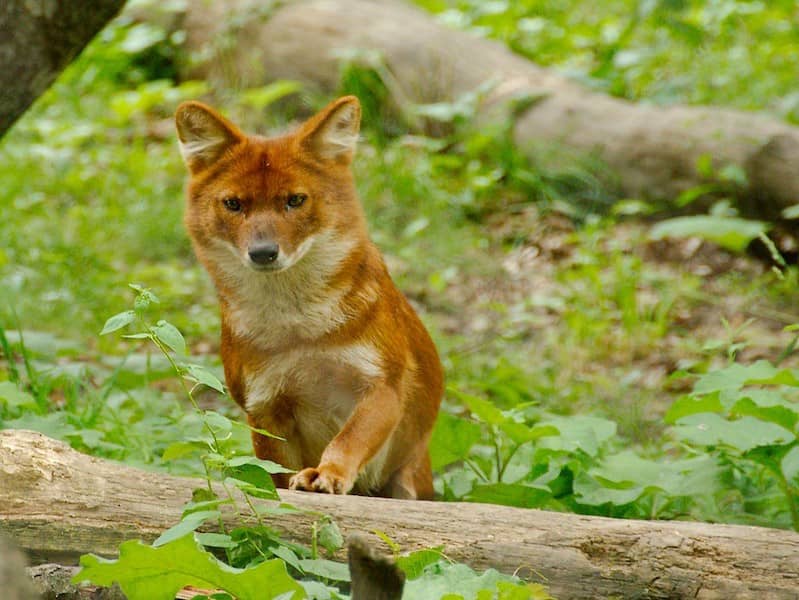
[(568, 333)]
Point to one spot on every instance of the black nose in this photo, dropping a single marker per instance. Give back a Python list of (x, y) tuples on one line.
[(263, 254)]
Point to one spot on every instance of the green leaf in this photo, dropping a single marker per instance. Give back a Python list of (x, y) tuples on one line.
[(188, 523), (267, 465), (138, 336), (253, 480), (691, 405), (177, 450), (688, 196), (286, 554), (521, 433), (326, 569), (394, 546), (259, 430), (202, 375), (736, 376), (790, 464), (625, 476), (54, 425), (593, 492), (484, 410), (452, 439), (578, 432), (511, 494), (219, 423), (215, 540), (257, 473), (144, 298), (728, 232), (733, 173), (704, 164), (781, 415), (118, 321), (746, 433), (414, 564), (790, 212), (147, 573), (200, 505), (444, 580), (170, 336), (13, 397), (329, 535)]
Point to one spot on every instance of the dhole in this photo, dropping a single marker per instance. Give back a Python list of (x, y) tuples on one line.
[(319, 346)]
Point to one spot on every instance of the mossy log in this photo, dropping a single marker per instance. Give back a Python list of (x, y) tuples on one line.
[(58, 504)]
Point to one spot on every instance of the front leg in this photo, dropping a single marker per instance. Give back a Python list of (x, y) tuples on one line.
[(368, 428)]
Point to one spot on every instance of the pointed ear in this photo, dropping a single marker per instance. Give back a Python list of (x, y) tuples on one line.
[(204, 135), (332, 134)]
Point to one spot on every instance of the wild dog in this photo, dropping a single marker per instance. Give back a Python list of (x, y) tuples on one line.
[(319, 346)]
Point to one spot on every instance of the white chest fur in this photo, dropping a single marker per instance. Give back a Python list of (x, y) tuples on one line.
[(324, 387), (269, 308)]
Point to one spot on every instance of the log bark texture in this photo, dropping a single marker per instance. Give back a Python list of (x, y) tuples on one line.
[(57, 504), (38, 38), (653, 150)]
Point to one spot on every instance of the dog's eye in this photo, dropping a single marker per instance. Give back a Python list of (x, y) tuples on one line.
[(233, 204), (296, 200)]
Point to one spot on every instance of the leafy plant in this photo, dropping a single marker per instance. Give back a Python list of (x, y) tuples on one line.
[(745, 416), (159, 573), (254, 554)]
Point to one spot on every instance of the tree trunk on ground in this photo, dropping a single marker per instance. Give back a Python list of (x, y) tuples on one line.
[(653, 150), (37, 40), (58, 504)]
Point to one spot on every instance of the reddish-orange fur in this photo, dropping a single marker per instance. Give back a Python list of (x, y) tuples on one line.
[(319, 346)]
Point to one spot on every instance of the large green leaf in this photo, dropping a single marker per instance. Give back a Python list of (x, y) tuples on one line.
[(784, 416), (457, 581), (728, 232), (691, 405), (624, 477), (170, 335), (13, 397), (147, 573), (452, 439), (511, 494), (578, 432), (737, 376), (118, 321), (746, 433), (190, 522), (790, 464), (414, 563)]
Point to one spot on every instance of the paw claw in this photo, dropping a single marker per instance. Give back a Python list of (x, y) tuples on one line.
[(323, 480)]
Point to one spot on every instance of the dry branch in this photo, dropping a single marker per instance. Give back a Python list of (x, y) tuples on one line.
[(57, 504), (653, 150)]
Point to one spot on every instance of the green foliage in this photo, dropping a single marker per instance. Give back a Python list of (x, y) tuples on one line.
[(446, 581), (728, 232), (664, 51), (746, 417), (549, 403), (144, 572)]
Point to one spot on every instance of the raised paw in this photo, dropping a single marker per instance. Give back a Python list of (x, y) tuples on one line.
[(324, 479)]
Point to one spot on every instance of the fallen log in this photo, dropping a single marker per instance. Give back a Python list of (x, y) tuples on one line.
[(653, 150), (57, 504)]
